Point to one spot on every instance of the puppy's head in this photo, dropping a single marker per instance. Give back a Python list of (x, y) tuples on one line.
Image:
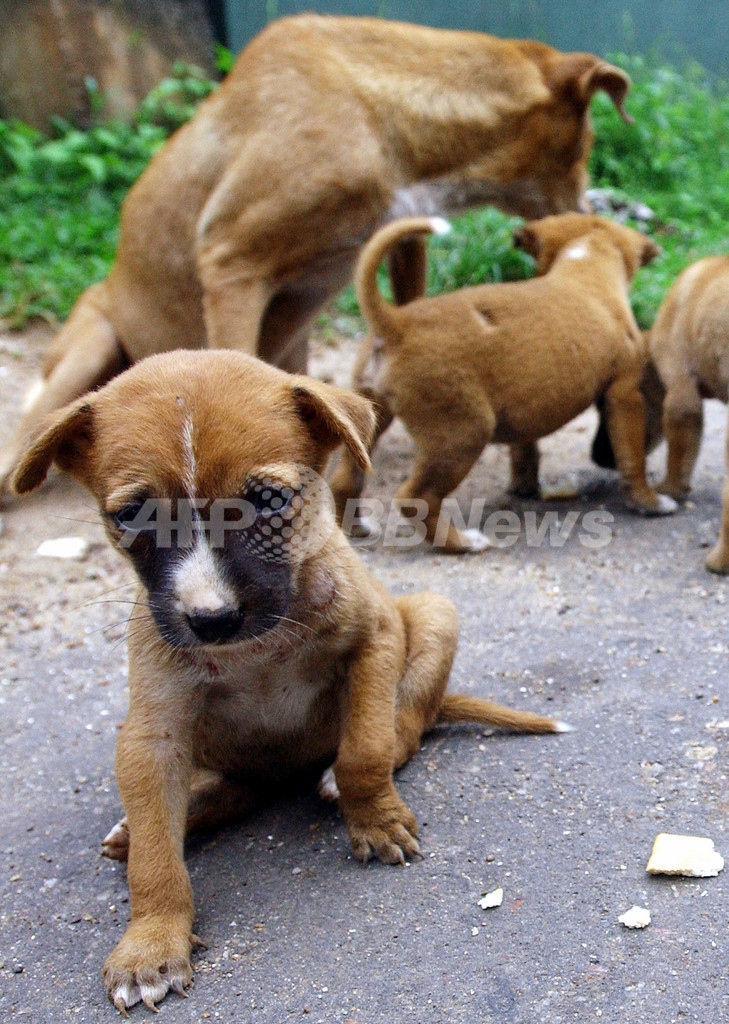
[(572, 234), (206, 467)]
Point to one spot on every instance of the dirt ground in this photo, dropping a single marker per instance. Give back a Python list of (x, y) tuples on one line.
[(627, 641)]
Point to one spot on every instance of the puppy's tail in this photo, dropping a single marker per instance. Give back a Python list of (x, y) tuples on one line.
[(458, 708), (380, 315)]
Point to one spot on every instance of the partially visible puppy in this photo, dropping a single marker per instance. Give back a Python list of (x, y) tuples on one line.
[(261, 645), (689, 344), (507, 363)]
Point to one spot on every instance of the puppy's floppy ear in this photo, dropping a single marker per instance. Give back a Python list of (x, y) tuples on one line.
[(528, 239), (334, 416), (65, 438)]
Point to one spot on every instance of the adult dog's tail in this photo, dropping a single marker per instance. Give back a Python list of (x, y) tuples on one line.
[(380, 315), (459, 708)]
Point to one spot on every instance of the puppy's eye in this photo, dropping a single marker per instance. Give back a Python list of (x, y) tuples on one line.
[(270, 501), (131, 517)]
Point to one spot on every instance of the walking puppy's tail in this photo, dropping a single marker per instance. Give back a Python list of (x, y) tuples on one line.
[(458, 708), (380, 315)]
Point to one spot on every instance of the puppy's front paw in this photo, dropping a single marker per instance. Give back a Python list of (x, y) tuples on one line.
[(383, 827), (152, 958)]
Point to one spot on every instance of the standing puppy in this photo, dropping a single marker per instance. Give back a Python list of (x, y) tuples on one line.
[(252, 215), (508, 363), (262, 647), (689, 344)]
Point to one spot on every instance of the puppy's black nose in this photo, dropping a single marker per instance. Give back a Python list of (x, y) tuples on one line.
[(214, 627)]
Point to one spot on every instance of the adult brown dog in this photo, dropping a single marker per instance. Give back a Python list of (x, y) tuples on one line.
[(507, 362), (689, 346), (252, 215), (261, 646)]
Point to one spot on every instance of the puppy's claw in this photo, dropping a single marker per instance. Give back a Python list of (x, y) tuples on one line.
[(121, 1006), (196, 943)]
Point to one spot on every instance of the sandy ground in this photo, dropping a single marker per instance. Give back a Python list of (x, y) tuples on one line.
[(628, 642)]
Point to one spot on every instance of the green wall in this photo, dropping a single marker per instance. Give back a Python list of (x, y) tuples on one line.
[(697, 28)]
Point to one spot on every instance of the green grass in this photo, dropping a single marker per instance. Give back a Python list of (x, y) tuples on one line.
[(60, 196)]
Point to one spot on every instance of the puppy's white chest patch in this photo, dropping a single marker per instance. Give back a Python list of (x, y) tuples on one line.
[(282, 701)]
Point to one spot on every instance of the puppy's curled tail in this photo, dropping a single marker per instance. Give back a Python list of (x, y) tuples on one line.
[(380, 315), (458, 708)]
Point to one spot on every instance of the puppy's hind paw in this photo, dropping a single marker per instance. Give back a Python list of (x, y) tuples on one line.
[(327, 788), (658, 505), (474, 541), (115, 844), (664, 506)]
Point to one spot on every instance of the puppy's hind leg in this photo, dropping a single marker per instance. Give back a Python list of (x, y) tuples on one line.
[(431, 629), (431, 634), (214, 800), (683, 420), (625, 411), (444, 459)]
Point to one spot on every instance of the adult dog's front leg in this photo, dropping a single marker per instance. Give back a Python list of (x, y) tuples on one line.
[(379, 822), (154, 766)]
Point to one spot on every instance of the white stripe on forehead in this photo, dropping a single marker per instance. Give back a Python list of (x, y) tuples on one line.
[(189, 466)]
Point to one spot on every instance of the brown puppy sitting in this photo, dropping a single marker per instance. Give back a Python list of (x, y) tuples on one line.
[(252, 215), (262, 647), (508, 363), (689, 345)]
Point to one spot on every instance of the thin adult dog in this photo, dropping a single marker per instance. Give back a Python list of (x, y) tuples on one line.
[(252, 215)]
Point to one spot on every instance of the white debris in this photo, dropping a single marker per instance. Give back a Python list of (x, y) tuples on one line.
[(692, 856), (492, 899), (636, 917), (567, 489), (64, 547)]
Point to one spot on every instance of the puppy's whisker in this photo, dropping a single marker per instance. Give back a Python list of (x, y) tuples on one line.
[(295, 622), (73, 519)]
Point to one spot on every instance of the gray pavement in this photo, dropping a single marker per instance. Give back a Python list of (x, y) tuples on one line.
[(627, 642)]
